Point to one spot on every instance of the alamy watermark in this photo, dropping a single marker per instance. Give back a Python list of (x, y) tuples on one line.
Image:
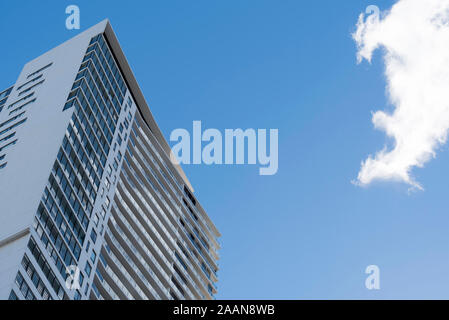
[(73, 278), (372, 282), (373, 11), (73, 21), (230, 150)]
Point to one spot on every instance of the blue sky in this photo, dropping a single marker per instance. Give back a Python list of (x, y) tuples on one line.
[(307, 232)]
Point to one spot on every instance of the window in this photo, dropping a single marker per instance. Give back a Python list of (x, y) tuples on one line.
[(209, 288), (45, 267), (93, 256), (19, 101), (103, 260), (93, 236), (132, 141), (24, 288), (32, 87), (69, 104), (81, 279), (11, 120), (8, 145), (173, 295), (88, 269), (13, 126), (5, 93), (40, 70), (23, 106), (107, 183), (180, 274), (35, 278), (32, 80), (187, 192), (177, 285), (96, 219), (180, 260), (13, 296), (77, 295), (7, 138)]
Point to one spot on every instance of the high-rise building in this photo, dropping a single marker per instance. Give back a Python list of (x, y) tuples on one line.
[(91, 207)]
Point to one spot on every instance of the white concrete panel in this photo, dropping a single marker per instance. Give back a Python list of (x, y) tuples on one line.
[(30, 161), (11, 256)]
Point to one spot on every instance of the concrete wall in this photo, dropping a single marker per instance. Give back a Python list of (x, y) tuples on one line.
[(11, 256), (30, 161)]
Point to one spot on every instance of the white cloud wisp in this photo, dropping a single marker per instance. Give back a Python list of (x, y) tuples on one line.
[(414, 38)]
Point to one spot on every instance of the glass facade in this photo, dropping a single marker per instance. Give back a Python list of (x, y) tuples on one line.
[(115, 214), (159, 216), (64, 216)]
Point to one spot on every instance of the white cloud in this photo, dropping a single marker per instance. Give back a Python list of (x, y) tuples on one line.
[(414, 38)]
